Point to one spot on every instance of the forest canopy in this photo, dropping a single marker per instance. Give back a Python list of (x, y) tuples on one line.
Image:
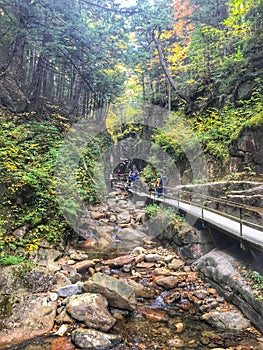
[(77, 58)]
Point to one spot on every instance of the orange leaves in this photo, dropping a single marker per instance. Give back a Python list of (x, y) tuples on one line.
[(182, 14)]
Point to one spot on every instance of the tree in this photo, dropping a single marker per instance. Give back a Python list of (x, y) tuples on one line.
[(63, 57)]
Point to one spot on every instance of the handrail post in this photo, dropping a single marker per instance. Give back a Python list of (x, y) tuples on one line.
[(240, 217), (178, 198)]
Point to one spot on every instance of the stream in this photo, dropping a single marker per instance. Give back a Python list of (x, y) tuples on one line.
[(168, 315)]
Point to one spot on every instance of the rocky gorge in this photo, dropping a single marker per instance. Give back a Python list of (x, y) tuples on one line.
[(118, 287)]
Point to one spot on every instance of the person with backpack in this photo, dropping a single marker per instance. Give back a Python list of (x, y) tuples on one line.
[(164, 180), (158, 187), (133, 175)]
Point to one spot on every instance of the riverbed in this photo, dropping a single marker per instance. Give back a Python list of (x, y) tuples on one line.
[(171, 299)]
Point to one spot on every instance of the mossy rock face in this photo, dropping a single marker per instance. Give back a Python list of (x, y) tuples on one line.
[(23, 278), (247, 150)]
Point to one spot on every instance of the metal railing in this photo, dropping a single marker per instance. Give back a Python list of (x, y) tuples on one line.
[(240, 213)]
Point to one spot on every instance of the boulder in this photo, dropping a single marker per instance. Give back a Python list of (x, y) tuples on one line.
[(90, 339), (130, 234), (123, 218), (119, 261), (227, 320), (167, 282), (118, 293), (27, 316), (69, 290), (140, 290), (153, 257), (92, 309)]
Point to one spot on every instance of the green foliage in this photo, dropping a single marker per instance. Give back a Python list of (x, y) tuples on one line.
[(256, 120), (166, 215), (149, 173), (28, 155), (6, 260), (152, 210), (28, 152), (215, 129), (257, 280)]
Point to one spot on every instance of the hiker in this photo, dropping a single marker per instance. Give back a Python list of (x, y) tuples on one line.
[(158, 186), (133, 175), (164, 180)]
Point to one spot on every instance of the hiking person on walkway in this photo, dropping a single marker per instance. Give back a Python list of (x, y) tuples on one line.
[(158, 186), (164, 180)]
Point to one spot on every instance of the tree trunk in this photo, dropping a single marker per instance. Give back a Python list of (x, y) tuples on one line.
[(165, 68), (11, 94)]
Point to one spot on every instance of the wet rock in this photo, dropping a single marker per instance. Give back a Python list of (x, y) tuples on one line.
[(97, 215), (131, 234), (185, 305), (71, 289), (167, 259), (104, 244), (139, 250), (78, 256), (64, 317), (176, 343), (90, 339), (176, 264), (177, 326), (139, 258), (105, 232), (92, 309), (161, 271), (112, 217), (30, 315), (61, 279), (228, 320), (84, 265), (153, 257), (119, 261), (127, 268), (123, 218), (167, 282), (207, 307), (60, 343), (89, 243), (171, 298), (62, 330), (145, 265), (153, 314), (118, 293), (140, 290), (201, 294)]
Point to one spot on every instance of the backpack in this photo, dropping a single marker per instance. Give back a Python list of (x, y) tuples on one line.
[(158, 182)]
